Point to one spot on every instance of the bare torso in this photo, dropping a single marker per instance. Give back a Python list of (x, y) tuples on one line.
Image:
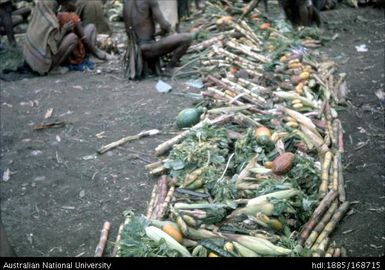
[(138, 16)]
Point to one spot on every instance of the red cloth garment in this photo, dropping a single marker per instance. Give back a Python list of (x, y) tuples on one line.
[(79, 53)]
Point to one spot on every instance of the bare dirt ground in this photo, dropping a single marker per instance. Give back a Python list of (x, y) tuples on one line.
[(60, 191)]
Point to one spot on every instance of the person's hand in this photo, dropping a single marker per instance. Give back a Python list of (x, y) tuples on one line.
[(67, 27), (164, 32)]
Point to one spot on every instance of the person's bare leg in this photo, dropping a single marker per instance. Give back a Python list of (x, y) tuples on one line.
[(66, 47), (16, 20), (90, 41), (180, 51), (303, 14), (177, 44), (24, 12), (5, 14)]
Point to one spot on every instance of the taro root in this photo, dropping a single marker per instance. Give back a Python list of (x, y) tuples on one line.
[(283, 163)]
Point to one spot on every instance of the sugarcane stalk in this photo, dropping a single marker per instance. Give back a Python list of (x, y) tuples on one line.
[(232, 109), (335, 172), (341, 182), (249, 67), (306, 140), (162, 183), (214, 96), (238, 88), (103, 239), (117, 245), (221, 84), (327, 138), (249, 47), (258, 89), (325, 173), (156, 202), (251, 71), (321, 225), (164, 147), (229, 98), (246, 33), (315, 140), (232, 56), (151, 205), (329, 129), (127, 139), (329, 253), (219, 62), (317, 215), (158, 171), (251, 32), (243, 119), (337, 252), (167, 201), (321, 249), (246, 50), (335, 128), (331, 173), (329, 228), (340, 137), (330, 250), (154, 165), (205, 44)]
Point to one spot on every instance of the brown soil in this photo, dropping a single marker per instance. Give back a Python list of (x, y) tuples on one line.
[(60, 191)]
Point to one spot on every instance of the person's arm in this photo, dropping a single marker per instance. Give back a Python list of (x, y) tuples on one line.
[(90, 46), (158, 15), (65, 29), (6, 17)]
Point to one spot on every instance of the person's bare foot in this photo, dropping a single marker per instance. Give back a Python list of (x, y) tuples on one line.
[(59, 70), (100, 54), (168, 72)]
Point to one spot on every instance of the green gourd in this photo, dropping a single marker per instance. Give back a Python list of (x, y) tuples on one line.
[(189, 117)]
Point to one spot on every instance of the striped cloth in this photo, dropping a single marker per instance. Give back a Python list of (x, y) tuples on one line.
[(42, 37)]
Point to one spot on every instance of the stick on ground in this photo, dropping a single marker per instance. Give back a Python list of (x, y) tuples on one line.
[(127, 139), (103, 239)]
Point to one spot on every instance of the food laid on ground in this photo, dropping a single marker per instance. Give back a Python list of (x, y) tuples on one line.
[(258, 171)]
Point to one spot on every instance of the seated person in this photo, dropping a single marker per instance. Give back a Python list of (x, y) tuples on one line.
[(10, 16), (49, 44), (139, 18), (91, 12)]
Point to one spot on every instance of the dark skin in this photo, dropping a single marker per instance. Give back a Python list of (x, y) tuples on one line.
[(86, 34), (9, 18), (6, 22), (70, 35), (140, 16), (298, 12)]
